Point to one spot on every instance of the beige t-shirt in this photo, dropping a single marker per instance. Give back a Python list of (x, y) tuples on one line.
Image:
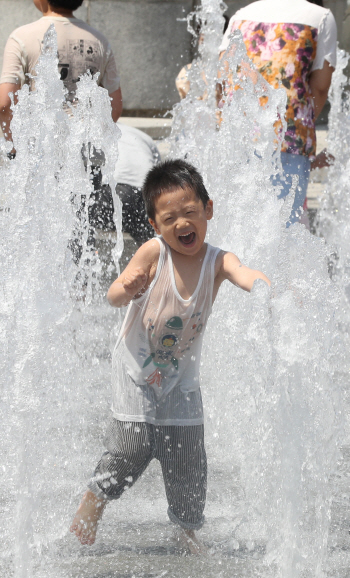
[(80, 48)]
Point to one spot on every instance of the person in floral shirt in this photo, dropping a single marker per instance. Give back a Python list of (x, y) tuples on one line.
[(292, 43)]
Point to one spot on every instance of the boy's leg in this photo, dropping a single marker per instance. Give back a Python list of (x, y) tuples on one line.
[(180, 450), (90, 510), (129, 450)]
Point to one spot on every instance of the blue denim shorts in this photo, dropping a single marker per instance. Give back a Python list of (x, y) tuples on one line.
[(293, 165)]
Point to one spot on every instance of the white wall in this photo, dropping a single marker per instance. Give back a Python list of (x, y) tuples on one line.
[(150, 42)]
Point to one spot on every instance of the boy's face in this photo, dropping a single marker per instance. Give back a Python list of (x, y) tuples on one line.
[(181, 219)]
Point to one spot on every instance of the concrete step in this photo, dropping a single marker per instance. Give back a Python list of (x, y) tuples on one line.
[(157, 128)]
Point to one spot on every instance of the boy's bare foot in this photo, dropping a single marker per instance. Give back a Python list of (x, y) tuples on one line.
[(84, 525), (189, 540)]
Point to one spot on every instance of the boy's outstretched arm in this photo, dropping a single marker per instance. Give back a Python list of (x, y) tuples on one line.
[(230, 268), (136, 277)]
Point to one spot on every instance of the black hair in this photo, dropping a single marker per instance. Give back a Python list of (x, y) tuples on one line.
[(67, 4), (169, 175), (318, 2)]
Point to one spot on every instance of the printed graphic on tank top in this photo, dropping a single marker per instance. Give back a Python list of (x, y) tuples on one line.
[(157, 356)]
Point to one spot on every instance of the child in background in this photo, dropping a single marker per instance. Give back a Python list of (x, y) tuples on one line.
[(170, 285)]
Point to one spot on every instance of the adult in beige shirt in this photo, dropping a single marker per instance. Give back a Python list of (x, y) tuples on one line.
[(80, 48)]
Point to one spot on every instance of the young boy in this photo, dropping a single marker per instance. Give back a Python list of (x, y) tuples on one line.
[(170, 284)]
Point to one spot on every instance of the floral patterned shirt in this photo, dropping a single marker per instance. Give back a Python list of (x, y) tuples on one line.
[(284, 54), (288, 40)]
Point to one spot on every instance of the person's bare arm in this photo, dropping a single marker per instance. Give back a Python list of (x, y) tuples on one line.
[(137, 276), (220, 85), (230, 268), (117, 104), (320, 81), (323, 159), (219, 88), (5, 107)]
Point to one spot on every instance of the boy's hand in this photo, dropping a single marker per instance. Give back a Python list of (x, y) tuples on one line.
[(134, 281), (140, 271)]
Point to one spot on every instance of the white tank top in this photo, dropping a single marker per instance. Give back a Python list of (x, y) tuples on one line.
[(155, 375)]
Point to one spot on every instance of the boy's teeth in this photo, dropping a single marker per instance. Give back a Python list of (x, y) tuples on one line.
[(187, 237)]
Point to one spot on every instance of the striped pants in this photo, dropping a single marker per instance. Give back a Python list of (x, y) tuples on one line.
[(180, 450)]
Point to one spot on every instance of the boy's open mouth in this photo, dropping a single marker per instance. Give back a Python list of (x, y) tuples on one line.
[(188, 238)]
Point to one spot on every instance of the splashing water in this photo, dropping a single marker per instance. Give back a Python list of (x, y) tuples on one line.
[(48, 372), (333, 225), (268, 368), (333, 222)]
